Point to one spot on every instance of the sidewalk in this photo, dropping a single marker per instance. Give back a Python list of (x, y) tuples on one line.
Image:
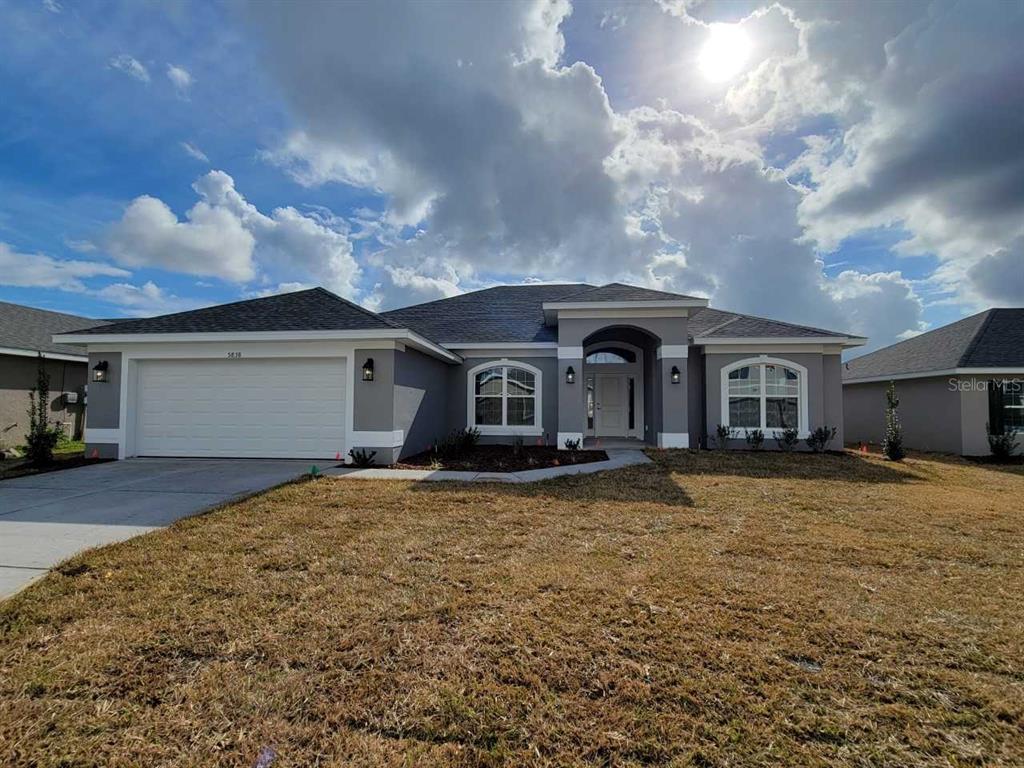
[(616, 460)]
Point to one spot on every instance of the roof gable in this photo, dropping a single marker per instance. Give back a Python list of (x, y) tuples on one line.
[(315, 309)]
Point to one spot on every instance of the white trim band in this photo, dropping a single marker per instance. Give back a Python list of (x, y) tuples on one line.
[(846, 341), (673, 439), (570, 353), (96, 435), (368, 439), (673, 350), (47, 355)]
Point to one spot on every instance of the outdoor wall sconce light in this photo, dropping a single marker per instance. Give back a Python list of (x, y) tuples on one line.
[(675, 375), (99, 371), (570, 375), (368, 369)]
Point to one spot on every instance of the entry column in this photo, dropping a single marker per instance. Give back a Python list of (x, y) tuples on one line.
[(570, 395), (671, 372)]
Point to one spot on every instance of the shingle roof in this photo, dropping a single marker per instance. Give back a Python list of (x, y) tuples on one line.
[(993, 338), (315, 309), (32, 329), (621, 292), (506, 313), (716, 323)]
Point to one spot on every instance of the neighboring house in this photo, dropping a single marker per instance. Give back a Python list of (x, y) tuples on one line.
[(311, 375), (953, 383), (24, 333)]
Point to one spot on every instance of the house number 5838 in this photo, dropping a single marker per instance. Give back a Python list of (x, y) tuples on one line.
[(234, 354)]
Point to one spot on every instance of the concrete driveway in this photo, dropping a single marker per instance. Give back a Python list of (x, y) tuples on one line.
[(47, 518)]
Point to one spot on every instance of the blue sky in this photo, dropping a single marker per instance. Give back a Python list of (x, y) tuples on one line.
[(160, 157)]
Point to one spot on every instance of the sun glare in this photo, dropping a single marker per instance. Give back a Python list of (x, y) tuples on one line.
[(725, 52)]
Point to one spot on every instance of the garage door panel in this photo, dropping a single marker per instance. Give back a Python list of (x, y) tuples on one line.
[(274, 408)]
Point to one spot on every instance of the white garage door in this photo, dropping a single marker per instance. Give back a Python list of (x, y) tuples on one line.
[(273, 408)]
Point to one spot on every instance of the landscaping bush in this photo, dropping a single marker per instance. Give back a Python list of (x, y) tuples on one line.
[(362, 458), (457, 443), (787, 440), (892, 442), (572, 446), (722, 436), (819, 440), (1002, 445), (42, 436), (755, 439)]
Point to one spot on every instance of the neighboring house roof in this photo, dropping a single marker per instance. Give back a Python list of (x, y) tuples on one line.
[(29, 329), (990, 339), (315, 309), (503, 314), (620, 292)]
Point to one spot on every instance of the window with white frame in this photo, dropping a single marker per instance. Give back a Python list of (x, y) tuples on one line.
[(505, 397), (764, 394)]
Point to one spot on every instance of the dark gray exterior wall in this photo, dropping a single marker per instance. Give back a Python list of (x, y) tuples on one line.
[(18, 376), (103, 409), (550, 369), (824, 390), (374, 400), (930, 411), (421, 400)]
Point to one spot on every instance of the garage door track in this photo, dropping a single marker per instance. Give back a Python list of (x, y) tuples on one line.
[(47, 518)]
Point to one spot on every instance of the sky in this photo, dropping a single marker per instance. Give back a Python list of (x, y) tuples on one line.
[(852, 166)]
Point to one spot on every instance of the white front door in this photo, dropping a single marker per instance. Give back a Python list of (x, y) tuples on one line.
[(612, 403)]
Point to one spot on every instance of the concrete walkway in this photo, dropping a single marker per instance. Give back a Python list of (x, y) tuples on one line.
[(47, 518), (616, 460)]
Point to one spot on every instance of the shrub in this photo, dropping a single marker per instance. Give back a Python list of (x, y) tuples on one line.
[(722, 436), (1002, 445), (572, 446), (819, 440), (42, 436), (457, 443), (787, 439), (755, 439), (362, 458), (892, 442)]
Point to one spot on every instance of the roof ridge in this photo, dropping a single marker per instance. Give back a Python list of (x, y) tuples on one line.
[(913, 339), (733, 319), (478, 290), (975, 337), (343, 300)]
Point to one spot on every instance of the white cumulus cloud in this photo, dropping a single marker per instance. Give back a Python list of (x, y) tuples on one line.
[(131, 67), (37, 270)]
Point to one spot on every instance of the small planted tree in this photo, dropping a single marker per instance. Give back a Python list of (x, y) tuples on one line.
[(892, 442), (572, 446), (42, 436)]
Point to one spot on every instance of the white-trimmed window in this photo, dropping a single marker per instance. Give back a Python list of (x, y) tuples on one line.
[(765, 393), (504, 398)]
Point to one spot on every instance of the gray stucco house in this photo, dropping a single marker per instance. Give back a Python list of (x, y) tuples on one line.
[(954, 384), (25, 332), (310, 375)]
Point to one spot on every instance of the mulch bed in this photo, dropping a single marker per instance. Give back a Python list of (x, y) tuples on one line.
[(11, 468), (500, 458)]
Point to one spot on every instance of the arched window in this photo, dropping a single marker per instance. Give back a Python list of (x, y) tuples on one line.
[(764, 393), (611, 356), (504, 398)]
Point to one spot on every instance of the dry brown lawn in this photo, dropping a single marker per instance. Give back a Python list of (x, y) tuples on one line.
[(741, 609)]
